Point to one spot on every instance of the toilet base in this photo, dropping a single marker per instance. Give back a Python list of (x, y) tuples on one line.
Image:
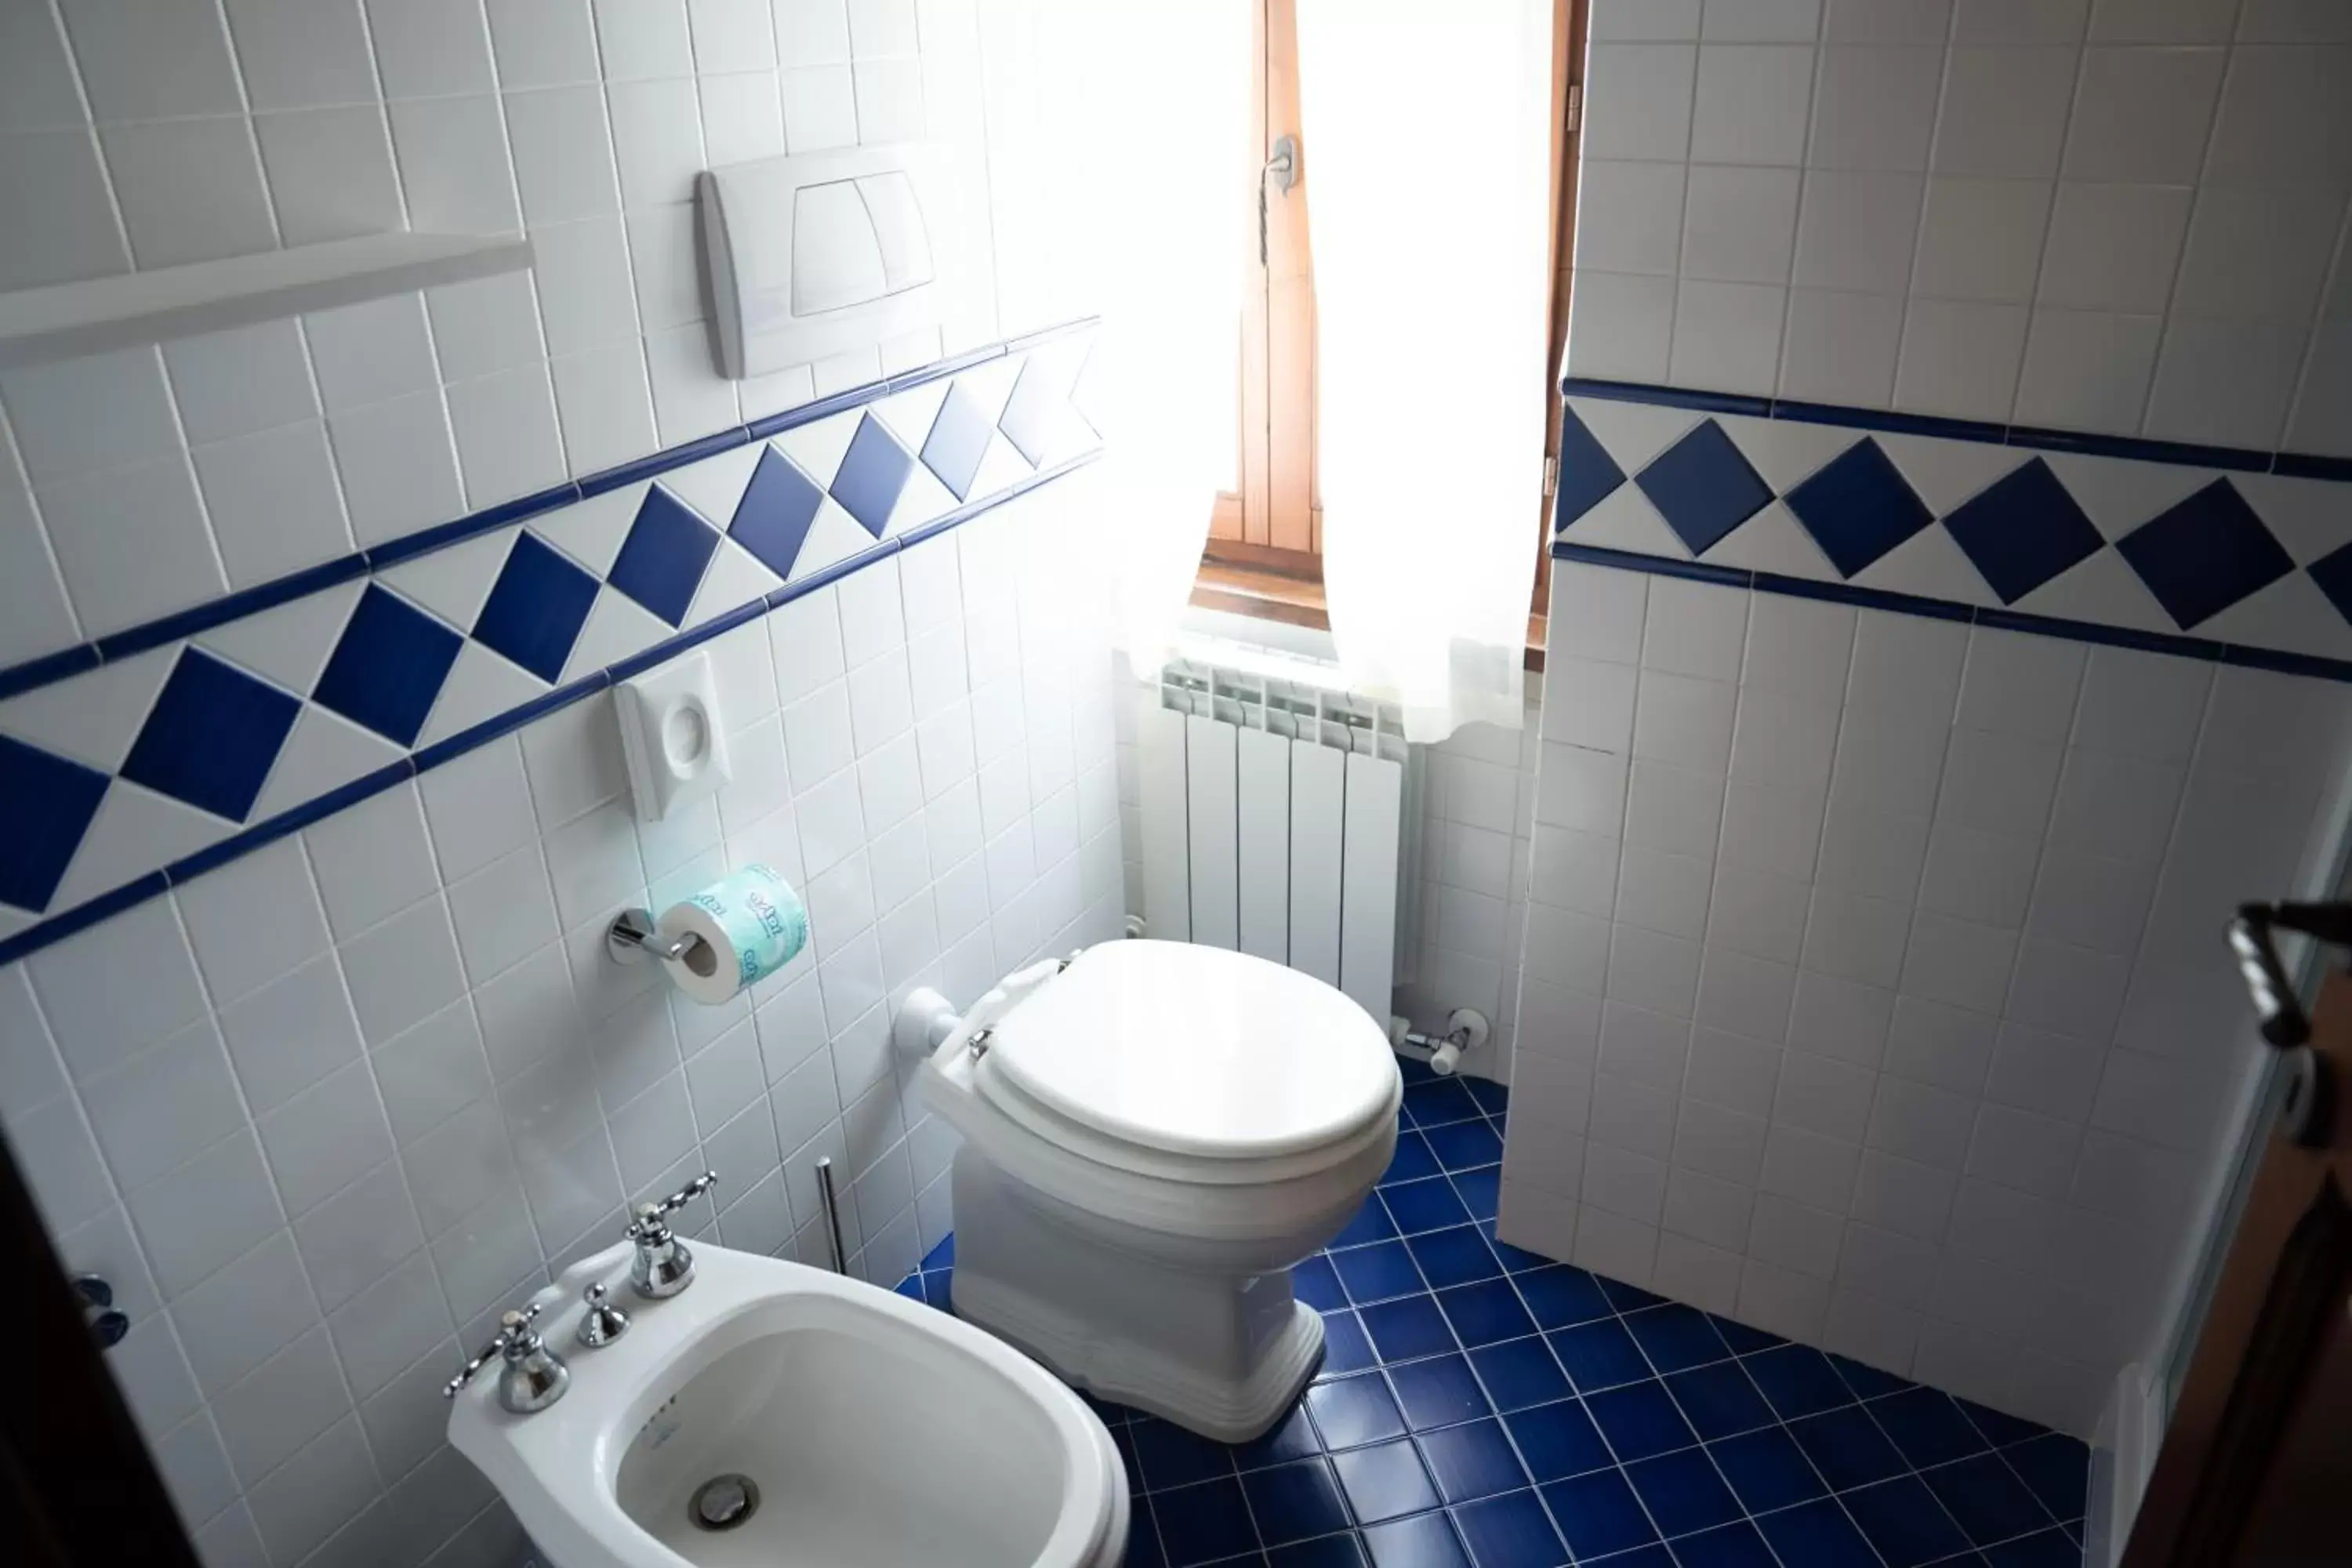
[(1222, 1354)]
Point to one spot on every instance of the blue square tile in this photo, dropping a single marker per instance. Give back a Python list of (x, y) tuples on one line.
[(1379, 1272), (1719, 1401), (1599, 1514), (1472, 1461), (1479, 1191), (942, 1256), (1847, 1447), (1767, 1469), (45, 806), (958, 440), (1682, 1492), (1727, 1546), (1463, 1145), (2045, 1549), (1329, 1551), (939, 1288), (2333, 572), (1384, 1481), (536, 608), (1412, 1072), (911, 1286), (1455, 1256), (1627, 1298), (215, 731), (1438, 1392), (1427, 1205), (1857, 508), (1558, 1440), (2023, 530), (1407, 1329), (1295, 1502), (1143, 1536), (2204, 554), (1598, 1355), (1798, 1381), (1412, 1160), (1292, 1437), (1428, 1541), (1868, 1382), (662, 560), (1817, 1535), (873, 471), (1561, 1297), (1352, 1411), (1675, 1337), (1514, 1260), (2000, 1430), (1124, 1441), (2057, 1468), (1493, 1098), (1030, 414), (1204, 1523), (1171, 1457), (1743, 1339), (1316, 1283), (1703, 486), (1928, 1426), (1512, 1531), (1520, 1373), (1440, 1101), (388, 667), (1587, 476), (1640, 1420), (1346, 1347), (1485, 1313), (1904, 1522), (771, 519), (1371, 1224), (1986, 1499)]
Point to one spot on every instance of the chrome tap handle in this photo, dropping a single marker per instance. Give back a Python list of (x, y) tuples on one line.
[(512, 1329), (650, 1214), (664, 1265)]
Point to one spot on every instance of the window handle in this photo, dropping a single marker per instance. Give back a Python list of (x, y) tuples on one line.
[(1283, 169)]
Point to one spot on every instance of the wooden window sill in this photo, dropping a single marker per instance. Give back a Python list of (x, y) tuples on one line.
[(1269, 595)]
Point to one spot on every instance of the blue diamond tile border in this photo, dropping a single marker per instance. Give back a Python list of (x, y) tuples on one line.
[(1857, 508), (45, 806), (1703, 486), (2022, 531), (388, 667), (772, 519), (957, 441), (211, 736), (873, 471), (662, 560), (1431, 1450), (536, 608), (2205, 554)]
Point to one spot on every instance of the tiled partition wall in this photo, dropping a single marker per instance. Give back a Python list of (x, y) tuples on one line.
[(2121, 215)]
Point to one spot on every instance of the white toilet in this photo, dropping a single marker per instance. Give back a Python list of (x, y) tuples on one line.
[(1154, 1134)]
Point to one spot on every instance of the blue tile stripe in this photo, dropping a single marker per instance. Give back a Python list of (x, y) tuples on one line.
[(1538, 1412), (2236, 459), (62, 924), (51, 668)]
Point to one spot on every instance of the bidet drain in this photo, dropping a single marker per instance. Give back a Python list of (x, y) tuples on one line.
[(722, 1502)]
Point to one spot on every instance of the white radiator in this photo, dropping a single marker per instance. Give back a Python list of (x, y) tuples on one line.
[(1276, 817)]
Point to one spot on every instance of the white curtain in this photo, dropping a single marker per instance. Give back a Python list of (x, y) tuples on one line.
[(1151, 144), (1426, 145)]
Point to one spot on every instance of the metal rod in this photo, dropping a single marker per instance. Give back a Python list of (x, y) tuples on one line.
[(832, 1214)]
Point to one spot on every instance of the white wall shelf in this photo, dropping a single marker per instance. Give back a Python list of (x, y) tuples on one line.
[(66, 320)]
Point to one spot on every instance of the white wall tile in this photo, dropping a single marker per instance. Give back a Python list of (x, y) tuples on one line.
[(189, 190), (1753, 103), (1637, 100), (2142, 114), (2086, 370), (1740, 226), (2113, 248), (1857, 230), (330, 172), (1629, 215), (1875, 108), (2004, 111), (274, 501)]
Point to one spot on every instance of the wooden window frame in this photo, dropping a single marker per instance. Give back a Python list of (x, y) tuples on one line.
[(1264, 556)]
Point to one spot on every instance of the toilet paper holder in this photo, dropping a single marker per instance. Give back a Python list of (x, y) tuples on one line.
[(633, 935)]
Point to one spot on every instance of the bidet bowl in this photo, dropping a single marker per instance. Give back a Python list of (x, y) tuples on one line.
[(875, 1431)]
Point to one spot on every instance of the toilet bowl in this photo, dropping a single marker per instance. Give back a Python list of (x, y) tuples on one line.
[(1154, 1134)]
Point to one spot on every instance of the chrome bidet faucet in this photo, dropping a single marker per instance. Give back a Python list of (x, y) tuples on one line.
[(664, 1265), (530, 1376)]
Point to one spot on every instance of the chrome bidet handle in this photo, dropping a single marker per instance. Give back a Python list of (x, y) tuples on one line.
[(664, 1265)]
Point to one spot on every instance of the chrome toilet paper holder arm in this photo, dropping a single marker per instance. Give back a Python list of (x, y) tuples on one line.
[(633, 935)]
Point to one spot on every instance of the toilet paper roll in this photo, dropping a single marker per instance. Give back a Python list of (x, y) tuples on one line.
[(747, 926)]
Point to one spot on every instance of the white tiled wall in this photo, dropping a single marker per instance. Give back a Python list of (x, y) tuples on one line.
[(368, 1086), (136, 135), (2116, 215), (1873, 987)]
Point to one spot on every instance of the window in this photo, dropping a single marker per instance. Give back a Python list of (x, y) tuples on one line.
[(1266, 536)]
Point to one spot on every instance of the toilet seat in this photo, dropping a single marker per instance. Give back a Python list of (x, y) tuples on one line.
[(1191, 1063)]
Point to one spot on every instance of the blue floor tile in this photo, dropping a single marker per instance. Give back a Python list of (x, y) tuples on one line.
[(2045, 1549), (1765, 1469), (1455, 1256), (1493, 1098), (1558, 1440), (1464, 1145), (1428, 1205), (1412, 1160), (1354, 1410), (1124, 1441), (1626, 1298), (1819, 1535), (1798, 1381), (1512, 1531), (1440, 1100), (1438, 1392), (1143, 1536), (1520, 1373), (1316, 1283), (1598, 1355), (1682, 1492), (1561, 1297), (1743, 1339), (1847, 1447), (1371, 1223), (1728, 1546), (1985, 1498), (1719, 1400), (1639, 1420), (1675, 1337), (1473, 1460), (1171, 1457), (1292, 1437), (1204, 1523), (2058, 1469), (1346, 1347), (1928, 1426), (1428, 1541), (1902, 1520), (1380, 1272), (1479, 1190), (2000, 1430), (1514, 1260), (1486, 1312), (1295, 1502), (1409, 1328), (1385, 1481), (1868, 1382), (1599, 1514), (1331, 1552)]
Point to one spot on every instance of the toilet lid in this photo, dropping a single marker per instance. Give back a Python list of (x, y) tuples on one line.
[(1197, 1050)]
